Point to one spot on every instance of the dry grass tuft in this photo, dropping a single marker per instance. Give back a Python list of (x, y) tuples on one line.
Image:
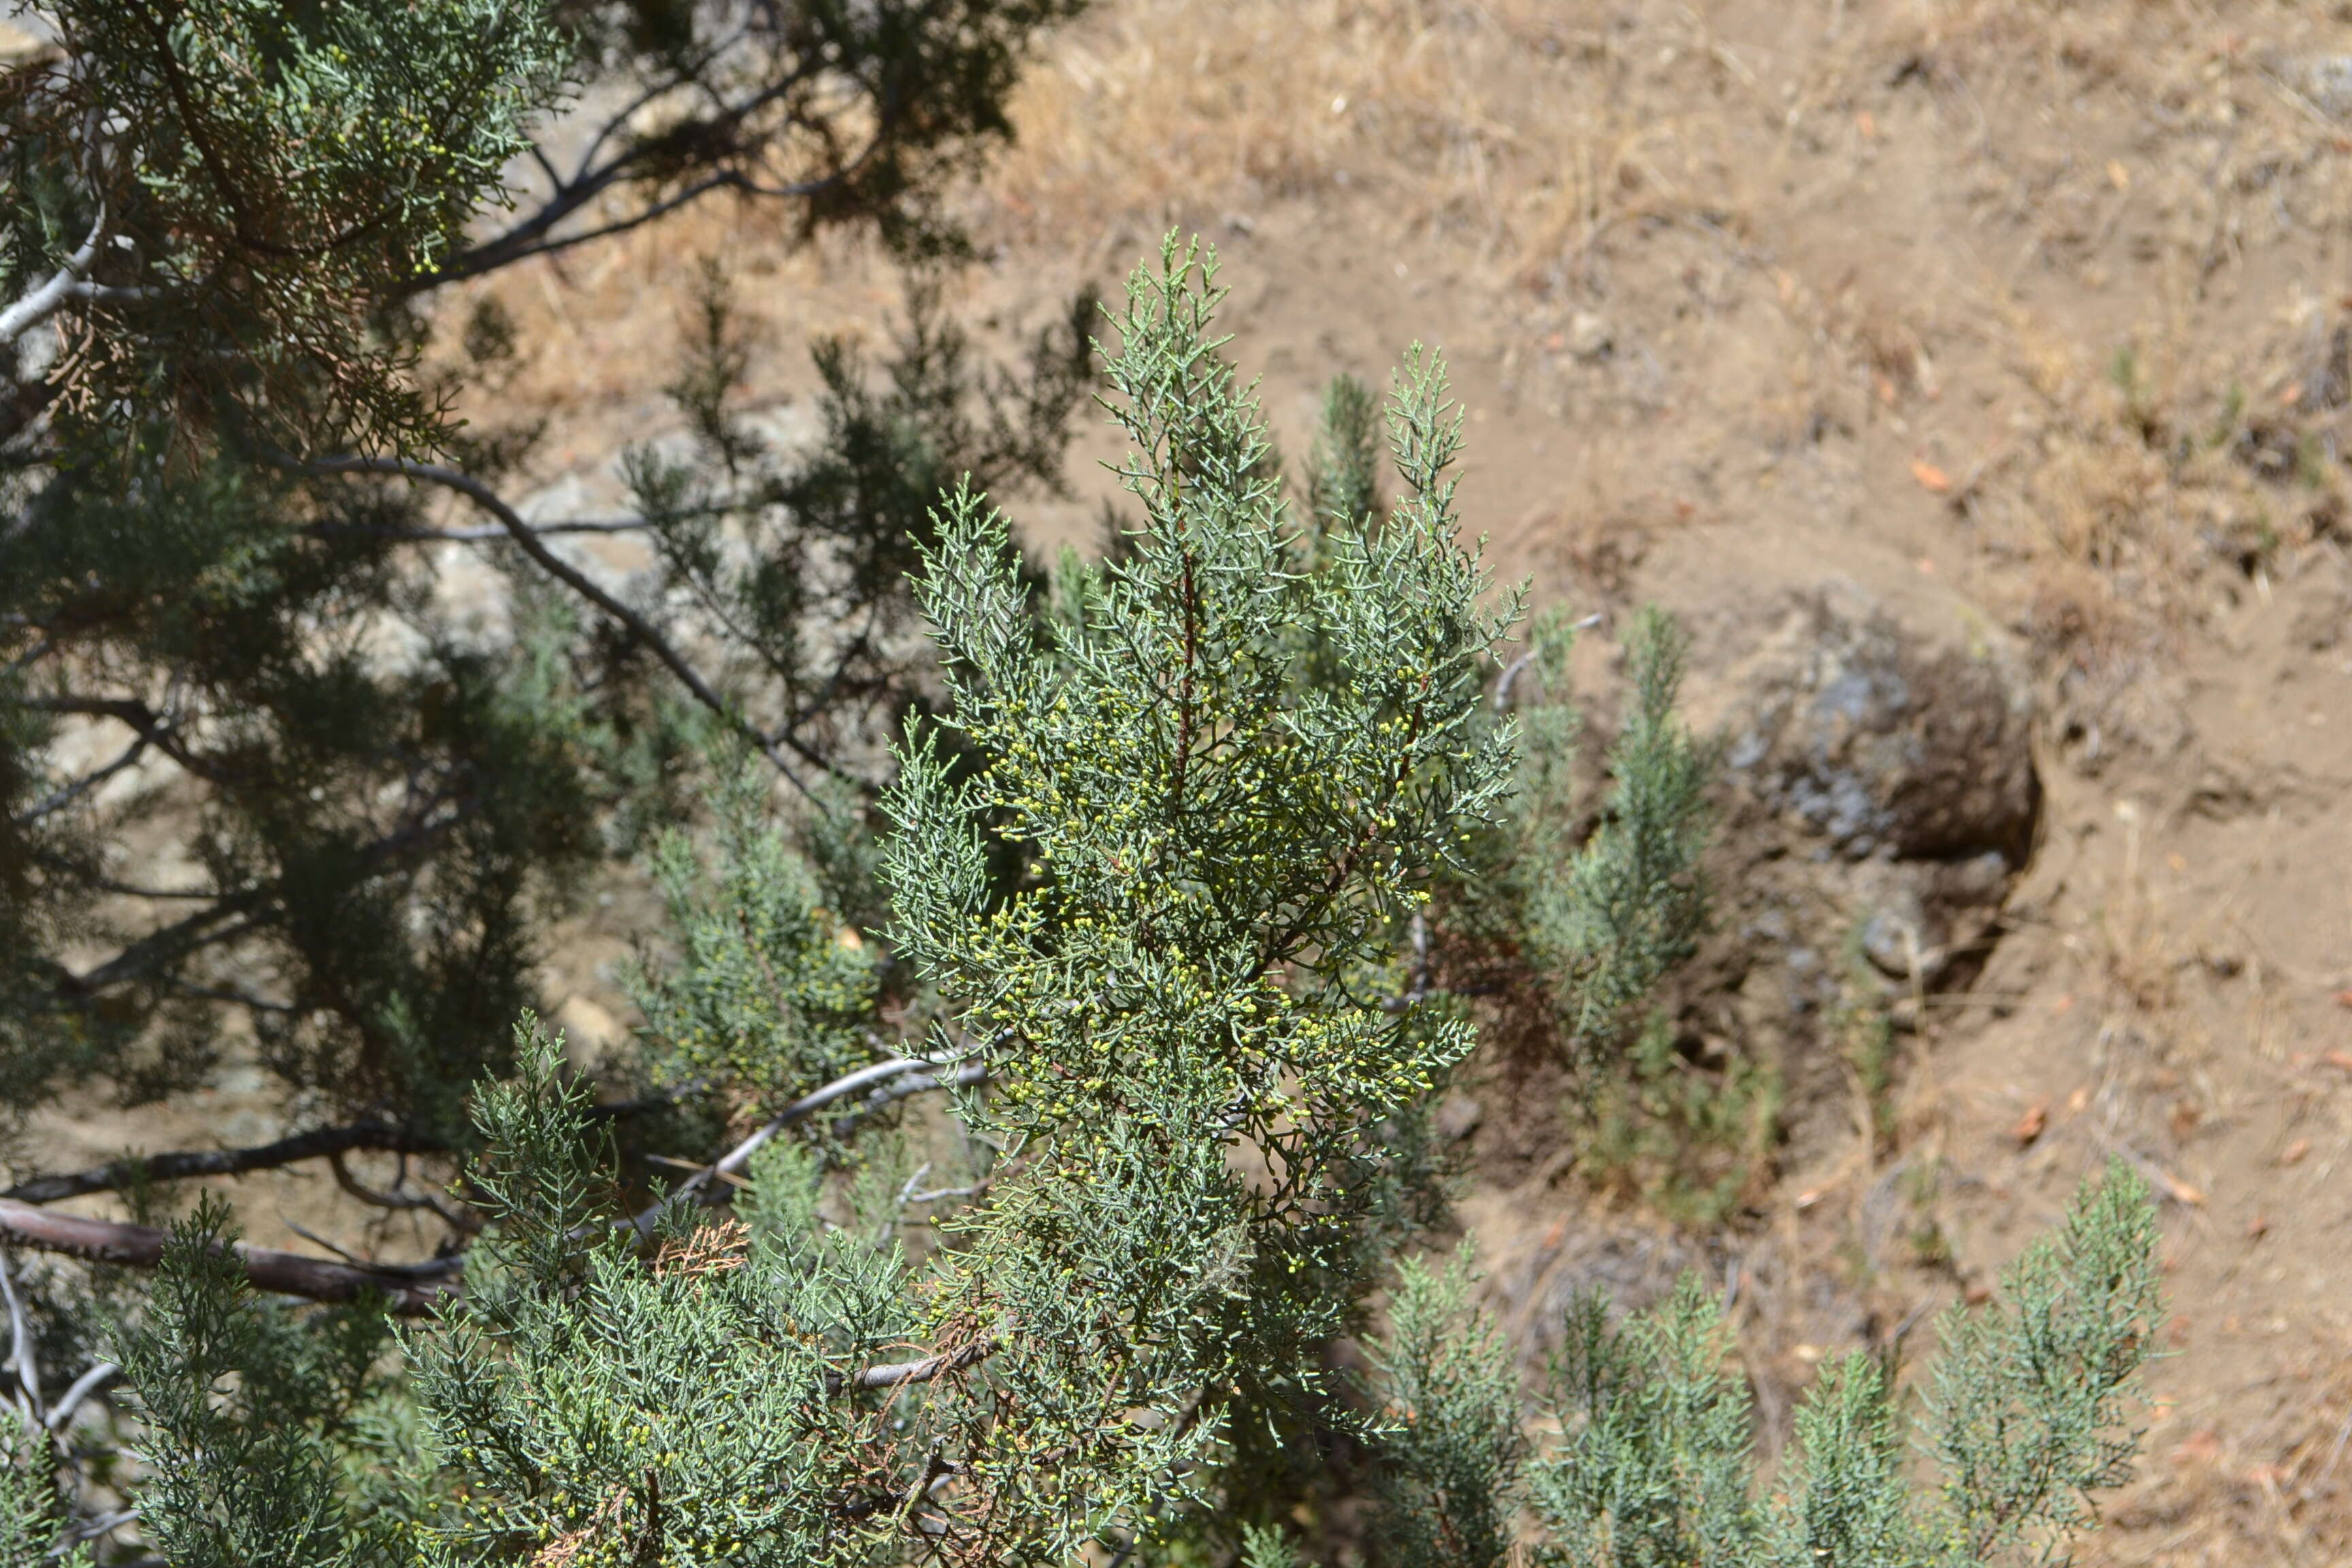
[(1520, 129)]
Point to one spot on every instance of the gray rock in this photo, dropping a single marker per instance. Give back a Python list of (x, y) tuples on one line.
[(1880, 743), (2327, 80), (1880, 798), (1895, 937), (1588, 335)]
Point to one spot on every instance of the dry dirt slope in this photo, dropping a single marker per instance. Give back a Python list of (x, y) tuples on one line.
[(2029, 311)]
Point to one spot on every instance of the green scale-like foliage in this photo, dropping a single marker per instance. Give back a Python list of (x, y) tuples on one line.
[(1156, 860), (1449, 1490), (588, 1402), (1629, 906), (251, 1412), (34, 1511), (358, 776), (773, 992), (1654, 1464), (1603, 923), (276, 172), (582, 1403), (1221, 847), (1223, 851)]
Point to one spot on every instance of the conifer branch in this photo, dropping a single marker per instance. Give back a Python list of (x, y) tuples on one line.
[(571, 577), (915, 1075), (414, 1287), (133, 715), (103, 1376), (535, 236), (925, 1369), (20, 1349), (474, 535), (232, 915), (457, 1218)]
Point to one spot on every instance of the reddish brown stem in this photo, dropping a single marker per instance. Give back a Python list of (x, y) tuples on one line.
[(412, 1289)]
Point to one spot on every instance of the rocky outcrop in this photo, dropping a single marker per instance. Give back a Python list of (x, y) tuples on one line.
[(1880, 796), (1877, 800), (1879, 743)]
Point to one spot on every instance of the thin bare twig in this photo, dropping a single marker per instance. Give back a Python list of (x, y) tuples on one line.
[(934, 1194), (1518, 667), (66, 795), (315, 1239), (328, 1142), (98, 1378), (20, 1350), (461, 1220), (91, 1529), (411, 1289), (899, 1375), (733, 1161), (473, 535), (563, 571), (418, 1288), (43, 301)]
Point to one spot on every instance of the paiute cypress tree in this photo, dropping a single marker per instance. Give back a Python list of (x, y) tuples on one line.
[(1156, 850), (1185, 1062), (1189, 979)]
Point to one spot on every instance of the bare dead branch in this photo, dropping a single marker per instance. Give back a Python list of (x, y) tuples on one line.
[(472, 535), (20, 1350), (412, 1289), (43, 301), (733, 1161), (417, 1289), (133, 714), (897, 1375), (465, 1222), (97, 1380), (327, 1141), (885, 1082)]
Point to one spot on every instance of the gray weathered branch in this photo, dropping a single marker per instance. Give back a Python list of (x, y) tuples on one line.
[(412, 1289), (101, 1376), (45, 302), (914, 1075), (327, 1141), (415, 1288)]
